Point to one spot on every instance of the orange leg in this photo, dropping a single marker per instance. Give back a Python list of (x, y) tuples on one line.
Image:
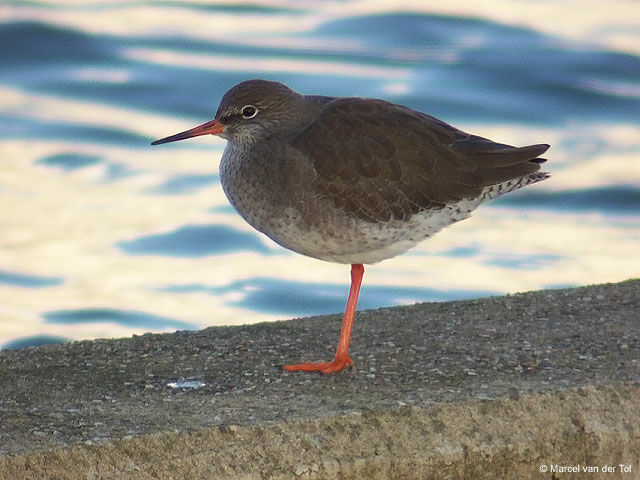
[(342, 353)]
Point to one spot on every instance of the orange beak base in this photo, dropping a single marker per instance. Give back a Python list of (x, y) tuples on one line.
[(214, 127)]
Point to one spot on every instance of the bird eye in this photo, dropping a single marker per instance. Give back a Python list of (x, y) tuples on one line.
[(249, 111)]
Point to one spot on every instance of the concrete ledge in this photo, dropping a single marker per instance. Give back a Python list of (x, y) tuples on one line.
[(479, 439), (489, 388), (476, 440)]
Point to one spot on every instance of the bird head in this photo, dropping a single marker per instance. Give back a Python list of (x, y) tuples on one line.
[(249, 112)]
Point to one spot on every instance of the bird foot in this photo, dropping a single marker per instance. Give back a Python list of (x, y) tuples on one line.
[(336, 365)]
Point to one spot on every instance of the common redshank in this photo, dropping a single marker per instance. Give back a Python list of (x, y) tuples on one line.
[(353, 180)]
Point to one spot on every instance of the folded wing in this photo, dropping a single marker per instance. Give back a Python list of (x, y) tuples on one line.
[(379, 161)]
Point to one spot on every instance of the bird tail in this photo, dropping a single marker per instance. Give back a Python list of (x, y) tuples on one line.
[(504, 164)]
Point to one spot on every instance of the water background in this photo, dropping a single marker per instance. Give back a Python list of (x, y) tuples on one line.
[(102, 235)]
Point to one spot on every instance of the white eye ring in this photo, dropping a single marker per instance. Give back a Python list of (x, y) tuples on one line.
[(249, 111)]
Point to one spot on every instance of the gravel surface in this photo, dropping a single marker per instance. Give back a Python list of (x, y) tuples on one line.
[(90, 392)]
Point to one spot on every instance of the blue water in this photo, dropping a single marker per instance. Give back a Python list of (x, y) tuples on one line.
[(195, 241), (108, 236), (28, 281)]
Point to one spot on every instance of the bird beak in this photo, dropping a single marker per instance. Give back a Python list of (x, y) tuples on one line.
[(214, 127)]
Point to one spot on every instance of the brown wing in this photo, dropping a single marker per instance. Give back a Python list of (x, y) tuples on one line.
[(379, 161)]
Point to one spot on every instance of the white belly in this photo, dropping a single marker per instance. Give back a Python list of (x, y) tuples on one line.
[(357, 241)]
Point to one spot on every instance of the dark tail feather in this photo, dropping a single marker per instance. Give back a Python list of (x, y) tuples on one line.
[(513, 162), (491, 154), (508, 156), (538, 160)]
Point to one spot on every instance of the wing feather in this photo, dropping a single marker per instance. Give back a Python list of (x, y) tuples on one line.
[(379, 161)]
